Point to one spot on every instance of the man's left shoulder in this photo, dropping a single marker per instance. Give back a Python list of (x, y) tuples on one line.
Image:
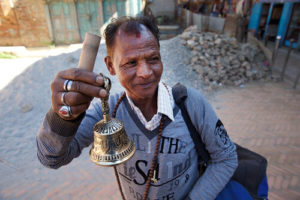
[(195, 97), (194, 101), (189, 92)]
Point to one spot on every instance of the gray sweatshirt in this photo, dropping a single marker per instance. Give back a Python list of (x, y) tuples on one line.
[(60, 141)]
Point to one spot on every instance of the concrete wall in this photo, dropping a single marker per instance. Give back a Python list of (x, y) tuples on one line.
[(163, 8), (216, 24), (204, 22), (23, 23)]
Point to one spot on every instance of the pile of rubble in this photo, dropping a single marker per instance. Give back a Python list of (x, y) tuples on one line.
[(221, 60)]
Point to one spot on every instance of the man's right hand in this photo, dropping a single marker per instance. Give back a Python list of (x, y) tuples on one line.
[(85, 86)]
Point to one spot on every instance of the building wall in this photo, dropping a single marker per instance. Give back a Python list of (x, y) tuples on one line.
[(23, 23), (9, 27), (163, 8), (32, 22)]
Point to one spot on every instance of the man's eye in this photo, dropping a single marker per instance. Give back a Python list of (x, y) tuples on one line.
[(131, 63), (154, 59)]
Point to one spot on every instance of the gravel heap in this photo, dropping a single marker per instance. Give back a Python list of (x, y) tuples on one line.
[(221, 60)]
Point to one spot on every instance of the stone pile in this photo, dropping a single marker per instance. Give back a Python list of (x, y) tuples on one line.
[(221, 60)]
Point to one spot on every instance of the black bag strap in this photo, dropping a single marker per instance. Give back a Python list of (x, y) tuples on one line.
[(179, 92)]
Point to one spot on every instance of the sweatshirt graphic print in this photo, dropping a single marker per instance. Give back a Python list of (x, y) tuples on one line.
[(176, 171)]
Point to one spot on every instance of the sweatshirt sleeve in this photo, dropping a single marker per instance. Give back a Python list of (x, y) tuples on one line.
[(59, 141), (222, 150)]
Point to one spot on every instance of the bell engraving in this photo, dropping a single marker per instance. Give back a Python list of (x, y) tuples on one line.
[(111, 144)]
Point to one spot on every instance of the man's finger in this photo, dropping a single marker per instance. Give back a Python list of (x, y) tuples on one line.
[(72, 98), (81, 87), (75, 111), (87, 89), (82, 76)]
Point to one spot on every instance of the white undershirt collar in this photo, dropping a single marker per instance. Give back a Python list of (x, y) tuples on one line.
[(165, 104)]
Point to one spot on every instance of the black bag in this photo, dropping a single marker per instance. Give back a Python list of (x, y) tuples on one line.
[(251, 170)]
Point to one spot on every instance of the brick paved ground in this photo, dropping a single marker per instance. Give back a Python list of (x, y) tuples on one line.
[(262, 117), (265, 118)]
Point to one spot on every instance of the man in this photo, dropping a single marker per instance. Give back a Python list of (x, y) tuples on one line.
[(134, 56)]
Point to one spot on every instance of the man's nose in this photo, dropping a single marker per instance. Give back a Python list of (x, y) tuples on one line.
[(144, 70)]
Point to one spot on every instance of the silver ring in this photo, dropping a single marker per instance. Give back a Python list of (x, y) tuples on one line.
[(63, 98), (65, 85), (65, 111), (69, 85)]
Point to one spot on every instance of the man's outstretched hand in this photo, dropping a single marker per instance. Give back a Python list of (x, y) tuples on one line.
[(82, 88)]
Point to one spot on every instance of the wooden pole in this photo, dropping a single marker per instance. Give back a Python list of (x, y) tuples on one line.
[(286, 59), (89, 51)]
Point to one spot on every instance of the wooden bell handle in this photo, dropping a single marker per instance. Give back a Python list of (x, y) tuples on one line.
[(89, 51)]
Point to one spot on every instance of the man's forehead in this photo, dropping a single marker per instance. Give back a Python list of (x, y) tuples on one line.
[(144, 38), (129, 44), (141, 29)]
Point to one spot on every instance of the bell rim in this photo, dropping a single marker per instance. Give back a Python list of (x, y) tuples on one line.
[(116, 162)]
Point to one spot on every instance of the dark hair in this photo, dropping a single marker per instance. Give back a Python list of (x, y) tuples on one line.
[(130, 25)]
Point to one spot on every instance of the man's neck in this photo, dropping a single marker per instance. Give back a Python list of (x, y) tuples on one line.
[(147, 106)]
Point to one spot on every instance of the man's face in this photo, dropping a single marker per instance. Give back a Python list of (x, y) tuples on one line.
[(137, 63)]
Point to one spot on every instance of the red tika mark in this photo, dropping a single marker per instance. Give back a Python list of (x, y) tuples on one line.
[(138, 34)]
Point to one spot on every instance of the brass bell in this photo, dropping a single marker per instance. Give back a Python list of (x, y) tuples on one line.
[(111, 144)]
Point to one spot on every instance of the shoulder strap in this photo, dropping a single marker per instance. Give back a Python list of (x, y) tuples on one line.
[(179, 92)]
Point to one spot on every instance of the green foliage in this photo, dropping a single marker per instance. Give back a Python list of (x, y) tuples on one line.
[(48, 43), (7, 55)]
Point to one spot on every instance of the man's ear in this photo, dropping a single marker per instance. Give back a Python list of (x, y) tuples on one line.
[(109, 65)]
